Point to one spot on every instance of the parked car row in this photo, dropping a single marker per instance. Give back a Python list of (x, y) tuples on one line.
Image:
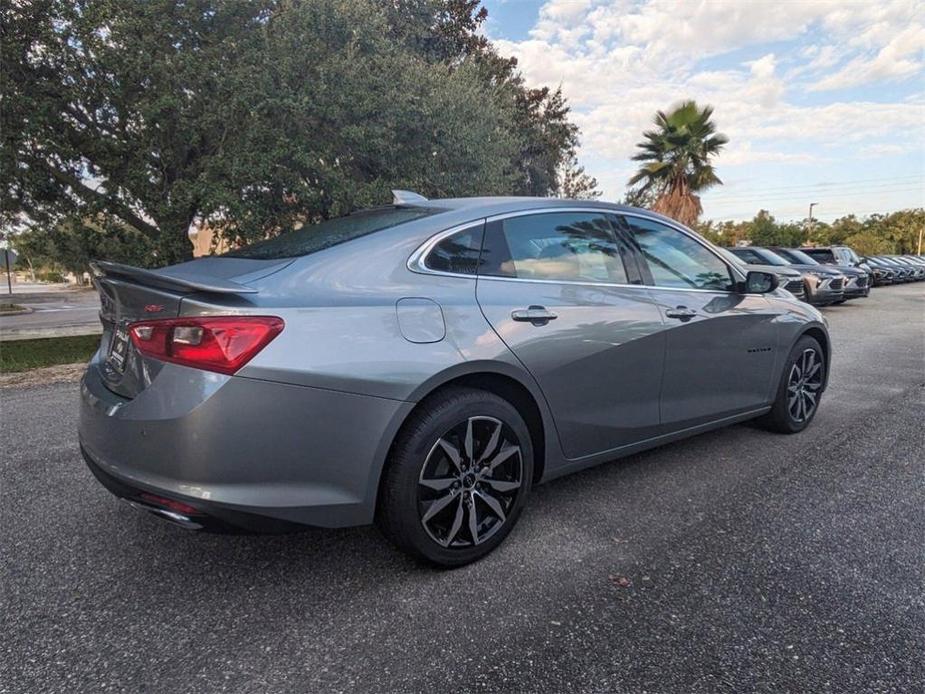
[(895, 269), (832, 274), (883, 269)]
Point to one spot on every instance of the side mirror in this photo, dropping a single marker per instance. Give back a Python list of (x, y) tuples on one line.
[(760, 282)]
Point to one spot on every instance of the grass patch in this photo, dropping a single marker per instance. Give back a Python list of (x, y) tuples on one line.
[(22, 355)]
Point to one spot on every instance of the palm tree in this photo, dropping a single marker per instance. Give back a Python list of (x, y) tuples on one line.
[(676, 160)]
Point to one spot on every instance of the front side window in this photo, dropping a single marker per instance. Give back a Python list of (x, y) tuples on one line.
[(564, 246), (675, 260)]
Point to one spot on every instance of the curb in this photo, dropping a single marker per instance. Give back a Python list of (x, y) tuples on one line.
[(35, 333)]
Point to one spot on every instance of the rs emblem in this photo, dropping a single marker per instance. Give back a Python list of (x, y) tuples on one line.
[(154, 308)]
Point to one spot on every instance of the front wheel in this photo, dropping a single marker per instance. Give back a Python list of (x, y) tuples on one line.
[(457, 478), (800, 388)]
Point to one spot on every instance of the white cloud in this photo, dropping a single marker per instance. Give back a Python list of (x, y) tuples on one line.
[(881, 150), (901, 57), (619, 62)]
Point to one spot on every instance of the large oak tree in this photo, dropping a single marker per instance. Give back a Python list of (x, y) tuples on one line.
[(257, 116)]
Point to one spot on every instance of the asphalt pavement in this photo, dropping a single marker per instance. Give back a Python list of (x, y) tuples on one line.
[(54, 310), (735, 561)]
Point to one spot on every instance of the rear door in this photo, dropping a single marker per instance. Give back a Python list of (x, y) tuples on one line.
[(565, 295), (721, 344)]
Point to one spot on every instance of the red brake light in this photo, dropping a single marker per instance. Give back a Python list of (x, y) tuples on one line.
[(213, 343), (170, 504)]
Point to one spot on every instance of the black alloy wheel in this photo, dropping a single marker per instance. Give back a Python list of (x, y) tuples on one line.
[(800, 389), (469, 482), (457, 478)]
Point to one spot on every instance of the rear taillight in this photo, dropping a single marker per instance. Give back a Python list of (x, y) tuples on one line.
[(213, 343)]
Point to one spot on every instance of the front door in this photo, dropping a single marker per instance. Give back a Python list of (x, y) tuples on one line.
[(721, 344), (566, 297)]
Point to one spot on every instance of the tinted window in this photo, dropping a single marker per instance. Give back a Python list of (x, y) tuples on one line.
[(458, 253), (795, 256), (770, 257), (749, 256), (570, 246), (676, 260), (312, 238), (821, 254)]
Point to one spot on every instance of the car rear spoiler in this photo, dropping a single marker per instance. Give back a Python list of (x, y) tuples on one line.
[(164, 279)]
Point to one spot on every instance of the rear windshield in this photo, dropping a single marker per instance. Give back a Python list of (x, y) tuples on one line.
[(316, 237)]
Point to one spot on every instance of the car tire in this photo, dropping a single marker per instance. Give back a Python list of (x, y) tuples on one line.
[(447, 501), (798, 397)]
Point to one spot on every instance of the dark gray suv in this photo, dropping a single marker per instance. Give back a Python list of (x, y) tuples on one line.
[(424, 364)]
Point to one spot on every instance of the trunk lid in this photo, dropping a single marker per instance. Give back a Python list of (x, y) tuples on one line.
[(129, 294)]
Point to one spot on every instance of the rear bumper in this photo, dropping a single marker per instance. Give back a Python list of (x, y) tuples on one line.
[(207, 516), (246, 453)]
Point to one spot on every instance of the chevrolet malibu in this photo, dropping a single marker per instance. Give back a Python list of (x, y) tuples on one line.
[(424, 364)]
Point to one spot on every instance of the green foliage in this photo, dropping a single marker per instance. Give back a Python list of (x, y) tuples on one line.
[(574, 183), (255, 116), (50, 276), (895, 233), (72, 243), (676, 160), (764, 230)]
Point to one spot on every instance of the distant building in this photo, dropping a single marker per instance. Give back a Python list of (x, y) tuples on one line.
[(206, 241)]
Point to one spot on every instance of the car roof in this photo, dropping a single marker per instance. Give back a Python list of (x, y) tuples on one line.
[(486, 206)]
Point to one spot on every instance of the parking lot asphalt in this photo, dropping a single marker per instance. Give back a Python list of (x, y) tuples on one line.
[(738, 560), (54, 310)]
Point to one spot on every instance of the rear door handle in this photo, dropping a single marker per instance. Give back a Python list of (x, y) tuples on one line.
[(538, 315), (682, 313)]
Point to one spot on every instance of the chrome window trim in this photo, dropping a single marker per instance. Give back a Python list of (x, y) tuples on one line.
[(416, 262)]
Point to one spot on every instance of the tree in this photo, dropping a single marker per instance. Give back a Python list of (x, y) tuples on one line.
[(449, 31), (72, 243), (259, 116), (677, 160), (574, 183), (726, 233)]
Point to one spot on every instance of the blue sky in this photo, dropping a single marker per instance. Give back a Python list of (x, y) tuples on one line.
[(823, 100)]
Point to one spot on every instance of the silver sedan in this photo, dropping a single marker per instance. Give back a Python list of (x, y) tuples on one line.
[(424, 364)]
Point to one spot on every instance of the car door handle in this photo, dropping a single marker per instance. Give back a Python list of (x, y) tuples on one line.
[(682, 313), (538, 315)]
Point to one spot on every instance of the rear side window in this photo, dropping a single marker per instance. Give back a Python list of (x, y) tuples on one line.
[(676, 260), (458, 253), (312, 238), (564, 246)]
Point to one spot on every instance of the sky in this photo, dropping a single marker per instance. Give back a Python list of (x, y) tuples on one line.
[(823, 101)]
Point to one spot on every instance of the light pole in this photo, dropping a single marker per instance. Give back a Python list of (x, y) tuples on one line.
[(810, 225)]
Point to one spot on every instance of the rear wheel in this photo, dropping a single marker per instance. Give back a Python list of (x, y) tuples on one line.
[(800, 388), (458, 477)]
